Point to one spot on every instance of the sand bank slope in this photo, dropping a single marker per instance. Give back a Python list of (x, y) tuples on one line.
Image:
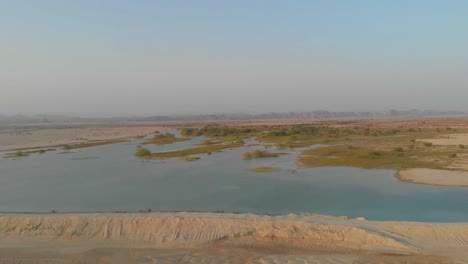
[(163, 232), (435, 177), (215, 238)]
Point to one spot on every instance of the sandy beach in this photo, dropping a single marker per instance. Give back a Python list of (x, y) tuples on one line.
[(46, 136), (217, 238), (456, 178), (448, 140), (435, 177)]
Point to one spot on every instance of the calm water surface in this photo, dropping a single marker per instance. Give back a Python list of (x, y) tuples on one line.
[(108, 178)]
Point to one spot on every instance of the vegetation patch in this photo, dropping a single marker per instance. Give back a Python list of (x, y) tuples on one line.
[(304, 135), (259, 154), (163, 139), (219, 131), (25, 153), (92, 144), (361, 143), (189, 158), (371, 158), (192, 151), (264, 169), (142, 152)]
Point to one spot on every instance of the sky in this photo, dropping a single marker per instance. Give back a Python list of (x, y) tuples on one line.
[(159, 57)]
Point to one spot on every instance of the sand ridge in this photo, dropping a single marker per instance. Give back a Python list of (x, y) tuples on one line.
[(247, 237)]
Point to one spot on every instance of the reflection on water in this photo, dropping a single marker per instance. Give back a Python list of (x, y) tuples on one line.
[(108, 178)]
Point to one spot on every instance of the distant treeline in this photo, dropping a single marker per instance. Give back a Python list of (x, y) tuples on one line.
[(319, 114)]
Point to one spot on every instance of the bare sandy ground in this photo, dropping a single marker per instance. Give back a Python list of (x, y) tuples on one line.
[(441, 177), (435, 177), (225, 238), (26, 137), (448, 140)]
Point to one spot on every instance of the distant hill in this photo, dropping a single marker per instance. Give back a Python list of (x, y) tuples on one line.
[(318, 114)]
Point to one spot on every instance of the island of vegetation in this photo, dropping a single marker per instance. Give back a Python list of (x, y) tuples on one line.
[(264, 169), (259, 154), (397, 153), (93, 144), (363, 144), (163, 139), (142, 152), (191, 151), (189, 158)]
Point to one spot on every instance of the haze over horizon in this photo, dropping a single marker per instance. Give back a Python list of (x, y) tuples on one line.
[(115, 58)]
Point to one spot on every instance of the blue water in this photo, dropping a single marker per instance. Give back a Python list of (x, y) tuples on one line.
[(110, 178)]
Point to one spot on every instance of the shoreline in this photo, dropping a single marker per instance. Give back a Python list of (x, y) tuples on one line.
[(446, 178), (215, 214), (13, 139)]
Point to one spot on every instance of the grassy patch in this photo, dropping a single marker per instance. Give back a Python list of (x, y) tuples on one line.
[(230, 139), (20, 154), (370, 158), (163, 139), (192, 151), (25, 153), (142, 152), (309, 134), (218, 131), (189, 158), (92, 144), (264, 169), (259, 154)]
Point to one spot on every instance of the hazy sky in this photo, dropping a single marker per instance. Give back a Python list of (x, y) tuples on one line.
[(169, 56)]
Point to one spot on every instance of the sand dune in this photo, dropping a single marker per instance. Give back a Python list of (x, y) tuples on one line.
[(216, 238)]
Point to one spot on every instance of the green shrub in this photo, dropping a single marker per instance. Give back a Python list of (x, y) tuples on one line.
[(453, 155), (398, 149), (428, 144), (247, 156), (142, 152)]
